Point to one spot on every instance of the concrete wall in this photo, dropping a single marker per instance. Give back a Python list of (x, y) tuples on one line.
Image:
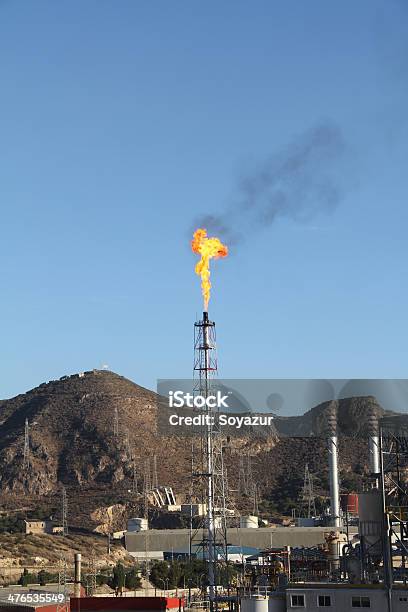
[(263, 537)]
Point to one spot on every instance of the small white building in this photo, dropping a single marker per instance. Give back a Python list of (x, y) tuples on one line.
[(36, 527), (345, 597)]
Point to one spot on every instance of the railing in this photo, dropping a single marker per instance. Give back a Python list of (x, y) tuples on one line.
[(255, 592)]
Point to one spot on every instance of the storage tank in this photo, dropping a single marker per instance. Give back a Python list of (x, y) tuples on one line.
[(137, 524), (335, 541), (371, 520), (248, 522), (257, 603), (349, 503)]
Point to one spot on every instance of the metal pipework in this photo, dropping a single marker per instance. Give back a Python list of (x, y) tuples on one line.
[(332, 444), (77, 575)]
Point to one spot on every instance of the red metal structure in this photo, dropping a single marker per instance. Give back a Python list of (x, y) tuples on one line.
[(117, 604)]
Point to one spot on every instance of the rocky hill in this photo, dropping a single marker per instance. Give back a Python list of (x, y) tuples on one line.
[(73, 442), (72, 435)]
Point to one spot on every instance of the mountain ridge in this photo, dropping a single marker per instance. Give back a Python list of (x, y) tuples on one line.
[(73, 442)]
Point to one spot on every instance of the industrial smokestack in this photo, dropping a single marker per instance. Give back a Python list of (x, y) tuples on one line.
[(77, 575), (374, 448), (374, 445), (332, 447)]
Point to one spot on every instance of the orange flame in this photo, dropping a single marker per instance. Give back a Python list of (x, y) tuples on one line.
[(208, 248)]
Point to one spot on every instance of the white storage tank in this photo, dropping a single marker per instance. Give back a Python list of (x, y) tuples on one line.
[(257, 603), (137, 524), (248, 522)]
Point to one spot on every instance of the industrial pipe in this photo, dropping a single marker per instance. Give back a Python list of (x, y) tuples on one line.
[(77, 575), (334, 481), (374, 449)]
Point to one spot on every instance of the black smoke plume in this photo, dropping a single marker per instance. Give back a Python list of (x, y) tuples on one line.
[(298, 182)]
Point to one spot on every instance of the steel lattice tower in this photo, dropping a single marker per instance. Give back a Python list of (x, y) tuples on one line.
[(26, 459), (64, 512), (155, 480), (116, 422), (62, 606), (308, 503), (91, 578), (134, 477), (207, 461)]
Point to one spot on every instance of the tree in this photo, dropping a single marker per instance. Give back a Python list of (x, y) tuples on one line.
[(133, 580), (44, 577), (159, 573), (119, 578), (174, 575), (24, 578), (27, 578)]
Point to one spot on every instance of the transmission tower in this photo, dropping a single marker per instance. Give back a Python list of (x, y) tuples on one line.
[(147, 486), (26, 456), (116, 422), (241, 476), (256, 499), (155, 480), (62, 606), (64, 512), (249, 472), (134, 477), (308, 497), (245, 477), (208, 465), (147, 480), (128, 447), (91, 577)]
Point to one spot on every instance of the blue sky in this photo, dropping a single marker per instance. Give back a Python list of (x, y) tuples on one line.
[(123, 121)]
